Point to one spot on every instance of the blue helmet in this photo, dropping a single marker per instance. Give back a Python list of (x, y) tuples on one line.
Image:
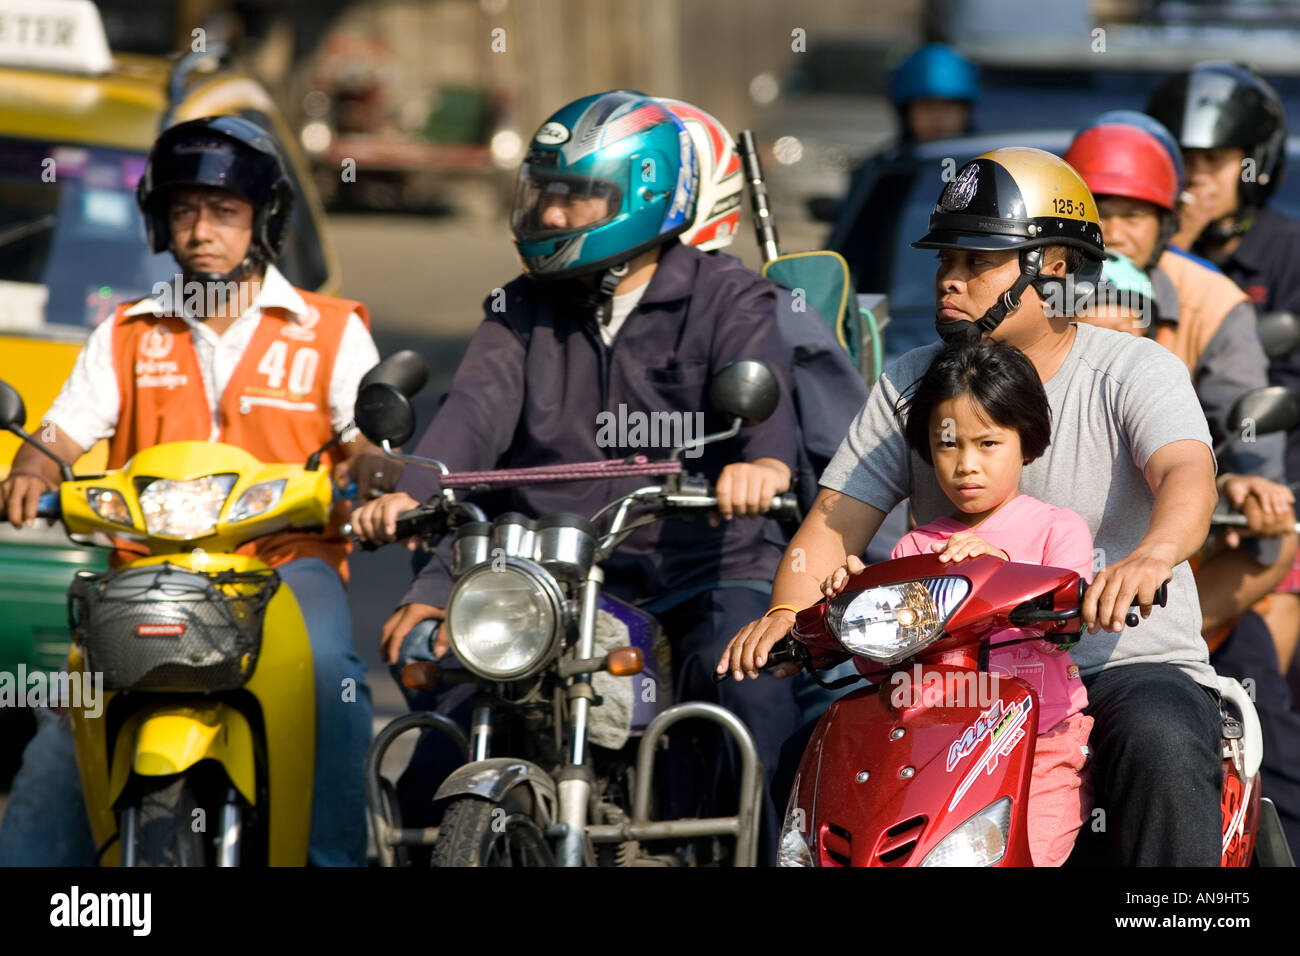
[(605, 178), (935, 71), (1150, 125)]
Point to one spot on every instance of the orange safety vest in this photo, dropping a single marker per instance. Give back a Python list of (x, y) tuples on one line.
[(275, 407), (1205, 297)]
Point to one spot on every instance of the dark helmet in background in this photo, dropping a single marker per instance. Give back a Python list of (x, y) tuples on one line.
[(225, 152), (1216, 105)]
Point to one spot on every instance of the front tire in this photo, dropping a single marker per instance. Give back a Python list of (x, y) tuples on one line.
[(477, 832), (165, 834)]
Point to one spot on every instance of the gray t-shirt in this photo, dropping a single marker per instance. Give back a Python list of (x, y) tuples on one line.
[(1115, 400)]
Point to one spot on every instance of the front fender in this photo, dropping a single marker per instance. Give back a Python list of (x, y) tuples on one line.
[(164, 741), (493, 778)]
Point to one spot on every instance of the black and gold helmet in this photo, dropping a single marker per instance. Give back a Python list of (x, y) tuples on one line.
[(1018, 198)]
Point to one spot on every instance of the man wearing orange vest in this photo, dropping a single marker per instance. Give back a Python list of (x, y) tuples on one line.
[(230, 352)]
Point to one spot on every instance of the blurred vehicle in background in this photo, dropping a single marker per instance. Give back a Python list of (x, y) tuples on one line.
[(456, 148), (875, 234), (77, 120), (827, 115)]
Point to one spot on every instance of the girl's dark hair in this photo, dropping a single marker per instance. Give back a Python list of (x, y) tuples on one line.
[(1000, 380)]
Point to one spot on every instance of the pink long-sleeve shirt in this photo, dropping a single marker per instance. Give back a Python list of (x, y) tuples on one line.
[(1030, 532)]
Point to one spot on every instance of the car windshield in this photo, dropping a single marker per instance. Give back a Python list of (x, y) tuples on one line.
[(72, 243)]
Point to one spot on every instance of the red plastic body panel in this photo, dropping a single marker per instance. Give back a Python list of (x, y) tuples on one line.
[(893, 820)]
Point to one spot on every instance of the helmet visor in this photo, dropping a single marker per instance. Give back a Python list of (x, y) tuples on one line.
[(549, 204), (217, 163)]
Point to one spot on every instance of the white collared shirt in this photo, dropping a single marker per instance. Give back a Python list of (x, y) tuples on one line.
[(88, 406)]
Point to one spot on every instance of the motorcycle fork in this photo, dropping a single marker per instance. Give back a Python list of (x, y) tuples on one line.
[(480, 735), (575, 777)]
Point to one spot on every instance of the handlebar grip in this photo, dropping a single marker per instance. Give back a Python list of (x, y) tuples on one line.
[(784, 651), (411, 522), (1161, 596), (423, 521), (49, 507), (785, 508)]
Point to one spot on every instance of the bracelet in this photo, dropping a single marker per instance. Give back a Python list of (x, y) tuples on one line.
[(782, 607)]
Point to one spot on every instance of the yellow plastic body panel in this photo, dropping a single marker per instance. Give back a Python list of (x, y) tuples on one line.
[(304, 503), (163, 735)]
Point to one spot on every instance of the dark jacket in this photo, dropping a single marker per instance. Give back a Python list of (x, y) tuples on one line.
[(1267, 267), (536, 377)]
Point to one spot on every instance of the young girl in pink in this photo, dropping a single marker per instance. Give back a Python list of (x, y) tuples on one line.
[(978, 415)]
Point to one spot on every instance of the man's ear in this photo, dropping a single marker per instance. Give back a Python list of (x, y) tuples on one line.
[(1054, 266)]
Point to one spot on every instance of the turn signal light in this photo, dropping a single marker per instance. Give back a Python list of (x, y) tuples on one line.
[(624, 662), (420, 675)]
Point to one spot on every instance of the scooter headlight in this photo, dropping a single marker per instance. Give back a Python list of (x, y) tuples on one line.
[(505, 618), (893, 621), (257, 500), (185, 509), (980, 841)]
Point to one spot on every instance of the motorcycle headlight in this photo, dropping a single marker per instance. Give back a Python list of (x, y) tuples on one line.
[(504, 618), (109, 505), (256, 500), (185, 509), (893, 621), (980, 841)]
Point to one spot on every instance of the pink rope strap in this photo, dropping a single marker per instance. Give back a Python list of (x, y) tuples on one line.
[(510, 477)]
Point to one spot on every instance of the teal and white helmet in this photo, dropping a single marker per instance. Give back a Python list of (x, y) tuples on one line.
[(605, 178)]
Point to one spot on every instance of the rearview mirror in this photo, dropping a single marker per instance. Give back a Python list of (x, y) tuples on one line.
[(12, 410), (1279, 333), (1268, 410), (384, 415), (745, 389), (406, 371)]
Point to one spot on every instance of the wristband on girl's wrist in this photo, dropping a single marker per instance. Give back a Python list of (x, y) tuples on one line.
[(781, 607)]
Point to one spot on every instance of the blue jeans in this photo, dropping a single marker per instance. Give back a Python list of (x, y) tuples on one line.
[(45, 823)]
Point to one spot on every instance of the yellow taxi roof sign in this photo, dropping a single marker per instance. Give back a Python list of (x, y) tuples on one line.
[(63, 35)]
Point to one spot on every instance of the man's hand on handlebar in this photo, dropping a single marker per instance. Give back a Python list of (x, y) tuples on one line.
[(399, 625), (19, 494), (745, 489), (1267, 505), (1116, 587), (376, 521), (748, 650)]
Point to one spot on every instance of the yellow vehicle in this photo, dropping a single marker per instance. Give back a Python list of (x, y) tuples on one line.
[(190, 681), (76, 123)]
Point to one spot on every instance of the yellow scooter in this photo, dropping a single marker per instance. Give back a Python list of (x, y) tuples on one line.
[(200, 750)]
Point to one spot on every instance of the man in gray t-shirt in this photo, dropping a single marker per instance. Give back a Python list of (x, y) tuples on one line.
[(1115, 401), (1130, 452)]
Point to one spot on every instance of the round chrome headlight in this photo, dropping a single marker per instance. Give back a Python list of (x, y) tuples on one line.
[(504, 618)]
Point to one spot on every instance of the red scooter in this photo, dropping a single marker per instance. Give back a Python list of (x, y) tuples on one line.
[(930, 764)]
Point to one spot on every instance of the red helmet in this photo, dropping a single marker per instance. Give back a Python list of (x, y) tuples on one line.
[(1122, 160)]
